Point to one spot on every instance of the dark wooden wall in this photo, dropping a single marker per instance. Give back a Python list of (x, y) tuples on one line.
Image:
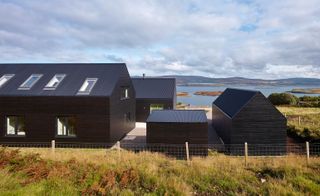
[(143, 107), (92, 116), (259, 122), (177, 133), (222, 124), (119, 126)]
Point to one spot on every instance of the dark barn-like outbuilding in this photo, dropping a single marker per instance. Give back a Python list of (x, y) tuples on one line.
[(65, 102), (153, 94), (240, 116), (178, 127)]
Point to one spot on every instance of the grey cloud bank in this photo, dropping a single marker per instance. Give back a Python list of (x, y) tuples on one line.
[(257, 39)]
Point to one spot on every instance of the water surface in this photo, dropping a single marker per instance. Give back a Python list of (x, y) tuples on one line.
[(207, 100)]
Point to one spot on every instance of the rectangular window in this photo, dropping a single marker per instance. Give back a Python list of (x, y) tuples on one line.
[(30, 82), (127, 117), (66, 126), (54, 82), (87, 86), (5, 78), (156, 107), (124, 93), (16, 126)]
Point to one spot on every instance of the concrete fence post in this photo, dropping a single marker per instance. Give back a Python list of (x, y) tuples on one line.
[(187, 152), (308, 152), (246, 154), (118, 149), (53, 145)]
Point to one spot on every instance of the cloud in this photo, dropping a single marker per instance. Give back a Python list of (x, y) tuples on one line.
[(260, 39), (292, 70)]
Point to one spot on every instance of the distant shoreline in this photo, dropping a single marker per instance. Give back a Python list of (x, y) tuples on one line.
[(306, 91), (200, 93), (239, 84)]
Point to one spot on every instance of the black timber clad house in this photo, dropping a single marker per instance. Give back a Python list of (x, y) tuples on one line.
[(65, 102), (178, 127), (241, 116), (153, 94)]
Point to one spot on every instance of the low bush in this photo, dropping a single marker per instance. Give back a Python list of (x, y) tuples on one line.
[(283, 99)]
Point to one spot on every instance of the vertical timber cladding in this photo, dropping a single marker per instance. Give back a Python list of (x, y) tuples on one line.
[(91, 109), (41, 117), (149, 91), (178, 127), (123, 110), (241, 116)]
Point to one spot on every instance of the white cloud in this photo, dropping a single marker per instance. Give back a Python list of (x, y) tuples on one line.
[(292, 70), (207, 37)]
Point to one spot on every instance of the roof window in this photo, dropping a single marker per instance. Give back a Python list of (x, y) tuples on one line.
[(87, 86), (5, 78), (32, 80), (54, 82)]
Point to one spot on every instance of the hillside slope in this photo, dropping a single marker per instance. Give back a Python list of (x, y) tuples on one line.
[(187, 80), (97, 172)]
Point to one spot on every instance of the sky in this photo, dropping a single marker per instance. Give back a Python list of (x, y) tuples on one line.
[(266, 39)]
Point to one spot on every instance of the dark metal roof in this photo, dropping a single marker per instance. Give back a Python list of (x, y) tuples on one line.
[(154, 88), (178, 116), (76, 73), (231, 101)]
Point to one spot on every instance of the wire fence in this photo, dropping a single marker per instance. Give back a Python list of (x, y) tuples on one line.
[(302, 120), (186, 150)]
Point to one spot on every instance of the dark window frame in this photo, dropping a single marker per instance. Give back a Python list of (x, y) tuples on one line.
[(123, 93), (127, 117), (6, 126), (65, 136)]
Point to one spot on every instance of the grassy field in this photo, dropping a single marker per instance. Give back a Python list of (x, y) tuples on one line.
[(309, 127), (101, 172)]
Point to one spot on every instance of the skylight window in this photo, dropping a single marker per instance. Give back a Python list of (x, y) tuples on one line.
[(87, 86), (30, 82), (54, 82), (5, 78)]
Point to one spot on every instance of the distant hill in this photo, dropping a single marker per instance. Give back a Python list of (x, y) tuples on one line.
[(207, 81)]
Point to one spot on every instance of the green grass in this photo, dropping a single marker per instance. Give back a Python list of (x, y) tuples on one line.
[(309, 127), (101, 172)]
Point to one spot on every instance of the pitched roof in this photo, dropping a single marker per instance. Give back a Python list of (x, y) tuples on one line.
[(178, 116), (231, 101), (154, 88), (76, 74)]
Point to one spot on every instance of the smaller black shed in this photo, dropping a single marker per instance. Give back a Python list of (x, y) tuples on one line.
[(153, 94), (240, 116), (177, 127)]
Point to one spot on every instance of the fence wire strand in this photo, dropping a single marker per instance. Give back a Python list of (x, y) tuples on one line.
[(179, 150)]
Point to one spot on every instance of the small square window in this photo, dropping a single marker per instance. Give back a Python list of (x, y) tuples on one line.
[(87, 86), (127, 117), (55, 81), (32, 80), (66, 126), (124, 93), (5, 78), (15, 126)]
